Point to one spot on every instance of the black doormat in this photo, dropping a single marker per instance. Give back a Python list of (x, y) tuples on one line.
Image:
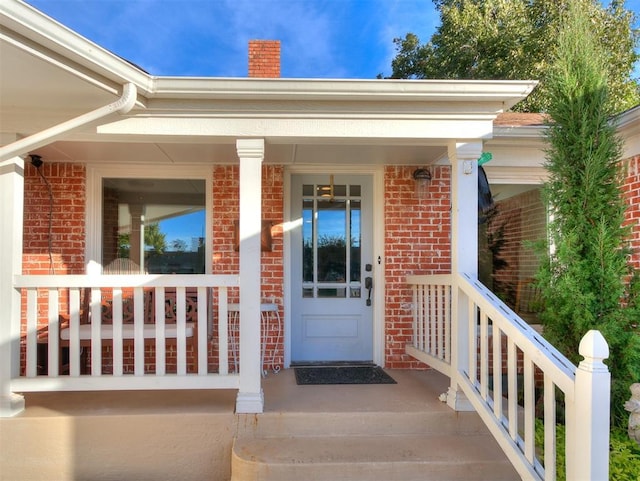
[(342, 375)]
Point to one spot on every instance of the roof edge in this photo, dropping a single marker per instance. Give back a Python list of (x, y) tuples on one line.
[(507, 92), (35, 26)]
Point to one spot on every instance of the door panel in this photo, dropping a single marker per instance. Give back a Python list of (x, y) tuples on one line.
[(331, 247)]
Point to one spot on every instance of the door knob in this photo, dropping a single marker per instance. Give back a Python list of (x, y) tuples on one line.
[(368, 284)]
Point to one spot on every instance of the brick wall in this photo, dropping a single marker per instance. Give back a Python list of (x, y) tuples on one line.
[(520, 218), (418, 241), (58, 249), (225, 256), (631, 191), (264, 58), (67, 239), (62, 252)]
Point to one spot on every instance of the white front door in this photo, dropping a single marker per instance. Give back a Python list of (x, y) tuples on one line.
[(331, 260)]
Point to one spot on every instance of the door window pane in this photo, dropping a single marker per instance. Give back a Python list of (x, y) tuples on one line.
[(307, 241), (339, 292), (331, 240), (355, 240), (332, 251), (157, 225)]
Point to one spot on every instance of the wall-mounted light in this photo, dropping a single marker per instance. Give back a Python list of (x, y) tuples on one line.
[(327, 190), (422, 178), (36, 160)]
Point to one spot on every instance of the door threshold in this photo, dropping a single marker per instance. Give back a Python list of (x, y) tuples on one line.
[(332, 364)]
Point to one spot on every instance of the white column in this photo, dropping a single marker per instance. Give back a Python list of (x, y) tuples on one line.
[(464, 255), (250, 396), (11, 219), (464, 209), (587, 441), (136, 236)]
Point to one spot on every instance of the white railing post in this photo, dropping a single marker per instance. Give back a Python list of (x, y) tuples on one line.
[(250, 397), (588, 444), (11, 219), (464, 256), (456, 399)]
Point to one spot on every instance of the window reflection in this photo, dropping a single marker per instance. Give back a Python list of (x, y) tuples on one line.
[(331, 223), (331, 244), (157, 225)]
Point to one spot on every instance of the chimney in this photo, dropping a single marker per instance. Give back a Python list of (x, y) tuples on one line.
[(264, 58)]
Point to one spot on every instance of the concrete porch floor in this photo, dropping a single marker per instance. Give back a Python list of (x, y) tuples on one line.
[(189, 435), (414, 391)]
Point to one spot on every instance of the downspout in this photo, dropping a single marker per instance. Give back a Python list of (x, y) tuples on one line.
[(122, 106)]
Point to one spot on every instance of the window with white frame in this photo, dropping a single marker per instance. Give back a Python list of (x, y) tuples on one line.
[(148, 225)]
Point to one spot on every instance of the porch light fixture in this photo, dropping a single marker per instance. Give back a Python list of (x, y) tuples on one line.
[(36, 160), (327, 190), (423, 179)]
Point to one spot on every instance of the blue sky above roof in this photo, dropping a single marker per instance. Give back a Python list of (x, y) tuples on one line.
[(320, 38)]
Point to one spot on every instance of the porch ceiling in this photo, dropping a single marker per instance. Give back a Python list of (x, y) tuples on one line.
[(225, 153)]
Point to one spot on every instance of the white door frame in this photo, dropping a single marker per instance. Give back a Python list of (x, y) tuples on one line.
[(377, 174)]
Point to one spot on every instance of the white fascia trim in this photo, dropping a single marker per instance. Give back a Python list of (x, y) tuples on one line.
[(47, 34), (628, 123), (508, 92), (517, 175), (520, 132)]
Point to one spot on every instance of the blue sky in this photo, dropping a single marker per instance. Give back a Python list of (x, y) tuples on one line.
[(320, 38), (184, 227)]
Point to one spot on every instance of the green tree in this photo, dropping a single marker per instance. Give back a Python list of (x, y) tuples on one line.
[(516, 39), (153, 237), (585, 281)]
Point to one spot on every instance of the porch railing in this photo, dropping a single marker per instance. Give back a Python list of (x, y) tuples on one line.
[(514, 378), (124, 332)]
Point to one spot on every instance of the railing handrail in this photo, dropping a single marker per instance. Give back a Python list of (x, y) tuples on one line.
[(126, 280), (552, 361), (164, 311), (549, 359), (440, 279), (484, 329)]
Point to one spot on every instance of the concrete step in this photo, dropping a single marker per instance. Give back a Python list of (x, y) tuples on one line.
[(360, 458), (369, 423), (368, 432)]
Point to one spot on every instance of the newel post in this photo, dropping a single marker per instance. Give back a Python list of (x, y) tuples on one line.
[(250, 396), (11, 219), (464, 258), (588, 445)]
